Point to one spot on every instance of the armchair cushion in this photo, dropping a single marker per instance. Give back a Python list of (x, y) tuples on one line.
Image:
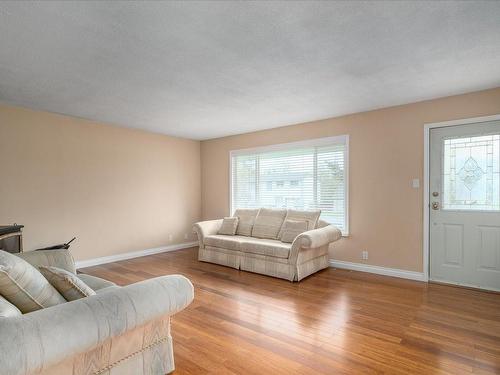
[(107, 289), (96, 283), (246, 218), (66, 283), (24, 286)]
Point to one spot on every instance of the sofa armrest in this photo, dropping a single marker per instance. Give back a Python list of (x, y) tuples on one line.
[(206, 228), (60, 258), (313, 239), (40, 339), (318, 237)]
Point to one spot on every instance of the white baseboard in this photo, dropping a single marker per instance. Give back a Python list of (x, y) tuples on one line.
[(133, 254), (394, 272), (464, 285)]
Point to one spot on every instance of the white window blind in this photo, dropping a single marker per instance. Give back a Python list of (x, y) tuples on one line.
[(300, 175)]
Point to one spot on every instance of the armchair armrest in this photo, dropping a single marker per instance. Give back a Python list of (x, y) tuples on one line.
[(206, 228), (318, 237), (45, 337)]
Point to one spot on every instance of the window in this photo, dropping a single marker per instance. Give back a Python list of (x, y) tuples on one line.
[(471, 173), (307, 175)]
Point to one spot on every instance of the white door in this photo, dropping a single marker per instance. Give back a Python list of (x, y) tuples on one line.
[(465, 205)]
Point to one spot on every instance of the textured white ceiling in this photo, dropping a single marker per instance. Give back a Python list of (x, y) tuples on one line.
[(209, 69)]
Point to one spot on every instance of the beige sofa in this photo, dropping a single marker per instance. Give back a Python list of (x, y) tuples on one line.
[(308, 253), (118, 331)]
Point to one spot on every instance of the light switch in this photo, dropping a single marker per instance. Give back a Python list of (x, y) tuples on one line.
[(415, 183)]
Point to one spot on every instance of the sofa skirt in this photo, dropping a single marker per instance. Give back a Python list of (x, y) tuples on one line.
[(312, 266), (265, 265)]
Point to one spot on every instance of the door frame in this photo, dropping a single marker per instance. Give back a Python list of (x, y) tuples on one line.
[(427, 133)]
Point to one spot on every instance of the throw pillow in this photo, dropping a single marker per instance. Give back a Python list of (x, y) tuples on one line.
[(291, 229), (24, 286), (229, 225), (312, 218), (67, 283)]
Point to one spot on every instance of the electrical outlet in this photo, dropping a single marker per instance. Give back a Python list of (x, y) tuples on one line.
[(186, 236), (170, 237), (364, 255)]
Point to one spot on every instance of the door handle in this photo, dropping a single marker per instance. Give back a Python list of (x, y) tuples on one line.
[(435, 205)]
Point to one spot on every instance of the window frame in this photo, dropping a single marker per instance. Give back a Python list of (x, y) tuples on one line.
[(326, 141)]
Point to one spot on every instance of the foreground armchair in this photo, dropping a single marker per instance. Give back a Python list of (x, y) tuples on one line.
[(120, 330)]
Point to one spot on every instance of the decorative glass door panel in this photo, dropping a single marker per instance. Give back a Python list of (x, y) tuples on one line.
[(471, 171)]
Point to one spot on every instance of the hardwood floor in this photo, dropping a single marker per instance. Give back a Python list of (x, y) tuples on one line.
[(333, 322)]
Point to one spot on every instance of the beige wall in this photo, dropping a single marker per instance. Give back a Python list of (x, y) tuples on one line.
[(118, 190), (386, 153)]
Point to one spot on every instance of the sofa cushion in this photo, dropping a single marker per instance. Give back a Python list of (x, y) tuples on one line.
[(291, 229), (7, 309), (24, 286), (246, 218), (224, 242), (268, 247), (229, 225), (246, 244), (268, 223), (312, 218), (66, 283)]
